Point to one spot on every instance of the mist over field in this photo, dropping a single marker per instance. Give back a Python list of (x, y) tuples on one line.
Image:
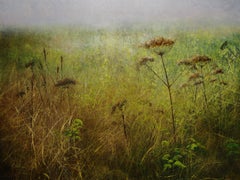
[(120, 89), (115, 12)]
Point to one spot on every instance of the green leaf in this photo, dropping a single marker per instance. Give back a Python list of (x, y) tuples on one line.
[(166, 167), (177, 157), (165, 143), (166, 157), (179, 164), (193, 146)]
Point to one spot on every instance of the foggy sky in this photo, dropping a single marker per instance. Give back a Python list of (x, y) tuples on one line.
[(108, 12)]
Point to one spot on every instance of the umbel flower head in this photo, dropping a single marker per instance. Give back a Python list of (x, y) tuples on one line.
[(159, 45), (143, 61), (195, 60)]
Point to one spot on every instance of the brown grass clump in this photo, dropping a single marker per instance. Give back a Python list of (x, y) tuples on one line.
[(65, 82)]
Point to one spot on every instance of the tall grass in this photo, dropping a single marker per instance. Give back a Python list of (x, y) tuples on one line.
[(74, 106)]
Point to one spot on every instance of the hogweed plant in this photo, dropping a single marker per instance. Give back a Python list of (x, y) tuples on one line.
[(202, 72), (198, 77), (161, 46)]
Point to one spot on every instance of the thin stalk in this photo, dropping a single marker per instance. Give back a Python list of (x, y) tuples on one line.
[(168, 85), (154, 72), (32, 93), (61, 67), (204, 89), (124, 126), (45, 55)]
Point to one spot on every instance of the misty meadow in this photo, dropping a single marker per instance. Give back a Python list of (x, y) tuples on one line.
[(140, 100)]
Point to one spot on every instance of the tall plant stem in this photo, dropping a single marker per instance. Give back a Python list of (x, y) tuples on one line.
[(168, 85), (204, 89)]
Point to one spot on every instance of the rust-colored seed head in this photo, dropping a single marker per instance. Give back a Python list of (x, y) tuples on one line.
[(144, 60), (195, 76), (157, 42), (198, 59), (159, 45), (218, 71), (65, 82), (186, 62)]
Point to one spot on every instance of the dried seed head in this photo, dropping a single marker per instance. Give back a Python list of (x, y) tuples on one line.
[(158, 41), (65, 82), (195, 76), (186, 62), (159, 45), (198, 83), (144, 60), (224, 45), (218, 71), (119, 106), (199, 59)]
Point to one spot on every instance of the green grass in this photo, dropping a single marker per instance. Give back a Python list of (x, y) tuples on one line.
[(115, 122)]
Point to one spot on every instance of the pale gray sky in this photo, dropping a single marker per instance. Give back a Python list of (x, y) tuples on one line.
[(107, 12)]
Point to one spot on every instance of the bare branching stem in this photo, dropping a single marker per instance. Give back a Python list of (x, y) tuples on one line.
[(154, 72), (168, 85)]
